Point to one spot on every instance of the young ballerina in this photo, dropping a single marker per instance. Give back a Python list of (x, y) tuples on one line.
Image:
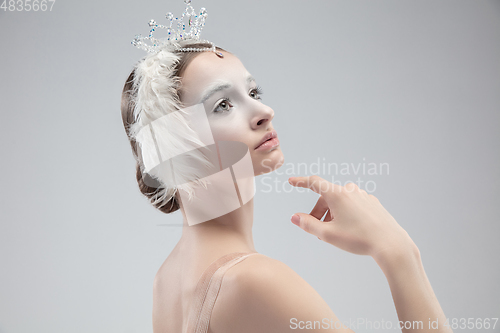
[(214, 280)]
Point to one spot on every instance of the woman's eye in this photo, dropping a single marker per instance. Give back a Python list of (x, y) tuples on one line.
[(224, 105), (255, 93)]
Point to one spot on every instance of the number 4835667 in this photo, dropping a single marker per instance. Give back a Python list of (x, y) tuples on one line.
[(27, 5)]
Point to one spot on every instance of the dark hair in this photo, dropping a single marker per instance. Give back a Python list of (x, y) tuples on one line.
[(127, 109)]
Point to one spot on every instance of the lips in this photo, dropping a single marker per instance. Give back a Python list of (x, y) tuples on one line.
[(267, 137)]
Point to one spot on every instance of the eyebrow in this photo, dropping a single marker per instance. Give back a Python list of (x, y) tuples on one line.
[(221, 85)]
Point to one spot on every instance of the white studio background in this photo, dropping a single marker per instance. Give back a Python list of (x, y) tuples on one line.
[(414, 84)]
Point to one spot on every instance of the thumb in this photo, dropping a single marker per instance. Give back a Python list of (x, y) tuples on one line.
[(308, 223)]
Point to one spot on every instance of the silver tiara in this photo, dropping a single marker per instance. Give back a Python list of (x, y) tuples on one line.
[(177, 32)]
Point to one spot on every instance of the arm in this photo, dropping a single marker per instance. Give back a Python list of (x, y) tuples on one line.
[(264, 295), (411, 290), (356, 222)]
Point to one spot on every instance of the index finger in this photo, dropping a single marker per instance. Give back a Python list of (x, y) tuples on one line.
[(315, 183)]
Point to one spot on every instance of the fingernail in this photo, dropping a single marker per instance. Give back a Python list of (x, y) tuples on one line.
[(296, 219)]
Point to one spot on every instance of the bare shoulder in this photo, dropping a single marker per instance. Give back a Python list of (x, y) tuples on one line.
[(262, 294)]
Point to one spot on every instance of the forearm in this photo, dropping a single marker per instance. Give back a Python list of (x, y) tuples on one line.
[(411, 290)]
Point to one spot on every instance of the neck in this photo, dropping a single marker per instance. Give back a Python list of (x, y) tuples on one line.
[(228, 233)]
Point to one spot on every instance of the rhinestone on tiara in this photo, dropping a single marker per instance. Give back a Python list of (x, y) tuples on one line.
[(176, 31)]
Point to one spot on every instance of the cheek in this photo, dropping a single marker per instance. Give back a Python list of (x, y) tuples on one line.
[(230, 132)]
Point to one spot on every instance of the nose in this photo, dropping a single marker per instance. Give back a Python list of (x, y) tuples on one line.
[(262, 116)]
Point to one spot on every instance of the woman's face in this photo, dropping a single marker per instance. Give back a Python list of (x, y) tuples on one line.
[(232, 102)]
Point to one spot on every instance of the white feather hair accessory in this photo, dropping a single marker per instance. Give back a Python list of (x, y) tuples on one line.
[(171, 148)]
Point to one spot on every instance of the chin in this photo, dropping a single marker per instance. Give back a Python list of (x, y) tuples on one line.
[(269, 162)]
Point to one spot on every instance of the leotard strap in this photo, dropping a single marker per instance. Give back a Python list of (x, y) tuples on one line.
[(207, 290)]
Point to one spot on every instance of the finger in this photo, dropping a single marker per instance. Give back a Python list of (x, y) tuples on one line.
[(309, 224), (315, 183), (320, 208)]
